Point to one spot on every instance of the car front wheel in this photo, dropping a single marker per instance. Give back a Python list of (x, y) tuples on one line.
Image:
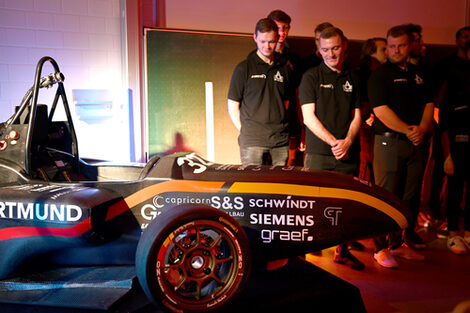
[(193, 259)]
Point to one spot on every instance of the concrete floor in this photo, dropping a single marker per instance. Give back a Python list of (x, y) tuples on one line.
[(436, 285)]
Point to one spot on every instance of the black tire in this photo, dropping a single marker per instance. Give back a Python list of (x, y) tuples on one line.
[(193, 259)]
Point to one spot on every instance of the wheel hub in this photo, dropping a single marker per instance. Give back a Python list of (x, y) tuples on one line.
[(197, 262)]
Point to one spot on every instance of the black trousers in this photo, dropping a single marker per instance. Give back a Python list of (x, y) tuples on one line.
[(399, 168), (456, 187)]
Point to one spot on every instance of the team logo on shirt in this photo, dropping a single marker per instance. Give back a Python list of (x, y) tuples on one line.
[(278, 77), (400, 80), (419, 80), (347, 87)]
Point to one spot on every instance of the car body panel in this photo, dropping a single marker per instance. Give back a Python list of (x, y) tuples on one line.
[(57, 210)]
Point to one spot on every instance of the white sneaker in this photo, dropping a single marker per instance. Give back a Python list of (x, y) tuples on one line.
[(457, 245), (385, 259), (407, 253)]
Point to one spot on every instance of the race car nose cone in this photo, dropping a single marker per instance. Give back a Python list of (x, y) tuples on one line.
[(197, 262)]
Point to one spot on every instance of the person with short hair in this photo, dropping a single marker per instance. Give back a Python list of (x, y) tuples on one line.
[(315, 58), (418, 49), (436, 203), (258, 100), (282, 21), (330, 99), (318, 29), (294, 114), (454, 117), (373, 55), (403, 107)]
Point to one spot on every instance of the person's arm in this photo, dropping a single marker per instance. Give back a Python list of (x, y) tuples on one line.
[(417, 133), (445, 120), (314, 124), (390, 119), (449, 168), (233, 108), (302, 145), (341, 147), (378, 96)]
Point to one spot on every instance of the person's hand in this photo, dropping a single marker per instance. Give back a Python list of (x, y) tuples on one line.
[(415, 134), (302, 145), (340, 149), (449, 168)]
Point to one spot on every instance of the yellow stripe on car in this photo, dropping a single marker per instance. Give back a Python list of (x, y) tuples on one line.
[(323, 192)]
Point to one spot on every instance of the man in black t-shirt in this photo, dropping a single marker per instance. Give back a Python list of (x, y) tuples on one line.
[(258, 100), (292, 59), (329, 95), (331, 106), (442, 73), (404, 110), (454, 117)]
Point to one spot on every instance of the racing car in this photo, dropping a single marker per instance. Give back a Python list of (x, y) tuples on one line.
[(193, 229)]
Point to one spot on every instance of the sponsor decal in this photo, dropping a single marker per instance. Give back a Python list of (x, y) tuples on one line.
[(268, 235), (332, 213), (193, 160), (225, 167), (323, 192), (232, 205), (114, 210), (45, 188), (227, 203), (235, 206), (253, 168), (40, 211), (54, 191), (217, 301), (287, 203), (281, 219), (148, 212)]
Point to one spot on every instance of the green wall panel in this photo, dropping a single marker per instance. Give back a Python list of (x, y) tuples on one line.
[(178, 65)]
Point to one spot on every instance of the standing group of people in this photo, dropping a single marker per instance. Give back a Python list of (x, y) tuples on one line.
[(375, 121)]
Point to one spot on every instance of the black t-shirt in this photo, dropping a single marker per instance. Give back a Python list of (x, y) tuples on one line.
[(440, 72), (403, 91), (454, 112), (292, 59), (261, 90), (335, 97)]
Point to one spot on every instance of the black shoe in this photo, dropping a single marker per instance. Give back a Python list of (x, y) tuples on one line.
[(413, 240), (355, 245), (346, 258)]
